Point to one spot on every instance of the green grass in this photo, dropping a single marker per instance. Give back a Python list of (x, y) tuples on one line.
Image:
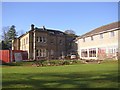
[(104, 75)]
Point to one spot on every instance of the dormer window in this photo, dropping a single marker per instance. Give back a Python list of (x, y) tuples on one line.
[(60, 33), (51, 32)]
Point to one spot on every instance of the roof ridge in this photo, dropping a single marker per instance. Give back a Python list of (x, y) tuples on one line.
[(102, 28)]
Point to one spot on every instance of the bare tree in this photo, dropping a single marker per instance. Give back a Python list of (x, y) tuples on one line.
[(4, 38), (4, 33), (20, 32), (70, 32)]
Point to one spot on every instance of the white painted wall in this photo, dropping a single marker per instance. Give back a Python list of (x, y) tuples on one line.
[(106, 42)]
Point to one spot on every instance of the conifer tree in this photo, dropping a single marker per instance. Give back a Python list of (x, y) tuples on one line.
[(8, 37), (12, 34)]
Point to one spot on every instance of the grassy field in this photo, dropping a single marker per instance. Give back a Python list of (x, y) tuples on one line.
[(104, 75)]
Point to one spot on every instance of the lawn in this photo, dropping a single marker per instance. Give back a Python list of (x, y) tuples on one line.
[(104, 75)]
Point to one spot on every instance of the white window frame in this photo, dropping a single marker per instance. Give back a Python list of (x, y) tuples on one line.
[(112, 34), (84, 53), (92, 38), (83, 39), (92, 52), (101, 35)]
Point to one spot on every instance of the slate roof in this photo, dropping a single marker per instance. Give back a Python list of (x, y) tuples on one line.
[(101, 29), (55, 32)]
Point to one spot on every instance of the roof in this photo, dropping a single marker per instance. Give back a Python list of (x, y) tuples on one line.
[(51, 31), (101, 29)]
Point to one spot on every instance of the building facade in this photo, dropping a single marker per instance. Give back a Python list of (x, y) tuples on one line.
[(42, 43), (100, 43)]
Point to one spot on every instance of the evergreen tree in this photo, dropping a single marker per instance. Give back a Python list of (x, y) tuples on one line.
[(3, 46), (8, 36), (11, 35)]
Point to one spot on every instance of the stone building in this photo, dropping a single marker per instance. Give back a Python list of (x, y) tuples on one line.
[(43, 43)]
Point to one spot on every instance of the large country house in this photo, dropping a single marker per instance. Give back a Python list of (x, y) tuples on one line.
[(100, 43), (43, 43)]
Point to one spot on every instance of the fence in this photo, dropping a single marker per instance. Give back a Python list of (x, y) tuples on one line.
[(7, 56)]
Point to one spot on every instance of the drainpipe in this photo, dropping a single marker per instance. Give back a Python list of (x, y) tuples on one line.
[(34, 42), (34, 46)]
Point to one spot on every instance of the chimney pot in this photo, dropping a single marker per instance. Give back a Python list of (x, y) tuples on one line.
[(32, 26), (44, 28)]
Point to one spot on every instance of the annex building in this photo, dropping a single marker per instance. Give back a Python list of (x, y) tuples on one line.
[(100, 43)]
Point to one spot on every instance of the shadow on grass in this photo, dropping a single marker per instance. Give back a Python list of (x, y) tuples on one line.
[(18, 63), (8, 64), (59, 80)]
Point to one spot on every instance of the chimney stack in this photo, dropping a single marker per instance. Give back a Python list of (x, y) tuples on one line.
[(32, 26), (44, 28)]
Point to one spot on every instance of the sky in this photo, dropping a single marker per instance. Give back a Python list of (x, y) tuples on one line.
[(80, 17)]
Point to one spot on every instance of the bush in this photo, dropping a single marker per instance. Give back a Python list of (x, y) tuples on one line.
[(43, 63), (109, 61), (66, 62)]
